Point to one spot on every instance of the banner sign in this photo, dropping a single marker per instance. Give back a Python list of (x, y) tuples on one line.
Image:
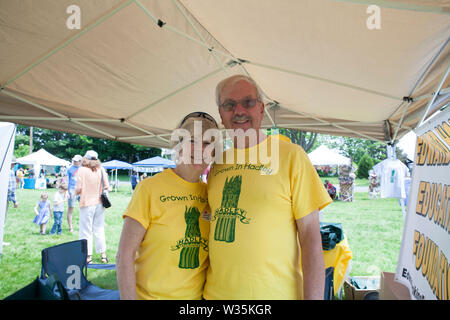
[(425, 252)]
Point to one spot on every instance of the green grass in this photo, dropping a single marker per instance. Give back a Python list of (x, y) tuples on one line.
[(373, 229), (21, 259), (335, 181)]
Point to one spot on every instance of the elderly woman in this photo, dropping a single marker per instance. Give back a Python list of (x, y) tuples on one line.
[(91, 181), (165, 227)]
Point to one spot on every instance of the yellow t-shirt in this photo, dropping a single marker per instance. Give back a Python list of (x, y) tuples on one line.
[(173, 257), (253, 243)]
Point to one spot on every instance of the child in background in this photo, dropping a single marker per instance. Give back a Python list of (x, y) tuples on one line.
[(58, 209), (43, 211)]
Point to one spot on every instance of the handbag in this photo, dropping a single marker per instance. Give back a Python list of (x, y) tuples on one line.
[(41, 289), (103, 196)]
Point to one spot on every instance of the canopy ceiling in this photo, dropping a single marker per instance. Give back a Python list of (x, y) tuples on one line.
[(136, 67)]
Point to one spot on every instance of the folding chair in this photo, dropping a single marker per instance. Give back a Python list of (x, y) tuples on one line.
[(68, 262)]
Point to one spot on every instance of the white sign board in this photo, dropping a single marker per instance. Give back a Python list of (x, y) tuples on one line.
[(7, 137), (425, 252)]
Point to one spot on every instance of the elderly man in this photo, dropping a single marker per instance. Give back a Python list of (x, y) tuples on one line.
[(264, 238), (76, 162)]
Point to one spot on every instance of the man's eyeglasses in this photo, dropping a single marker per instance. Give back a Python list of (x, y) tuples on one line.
[(199, 114), (246, 103)]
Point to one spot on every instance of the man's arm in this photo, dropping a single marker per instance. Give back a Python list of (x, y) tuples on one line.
[(312, 256), (130, 240)]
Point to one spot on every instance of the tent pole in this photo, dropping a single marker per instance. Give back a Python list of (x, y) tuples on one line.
[(323, 79), (426, 96), (57, 114), (422, 76), (402, 126), (324, 124), (162, 24), (175, 2), (34, 104), (175, 93), (150, 134), (401, 120), (56, 119), (430, 104)]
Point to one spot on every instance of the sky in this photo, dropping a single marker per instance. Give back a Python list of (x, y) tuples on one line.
[(408, 144)]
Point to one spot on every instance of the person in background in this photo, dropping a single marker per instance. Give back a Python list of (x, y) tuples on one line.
[(12, 184), (90, 180), (134, 179), (73, 197), (330, 189), (20, 175), (43, 211), (58, 208)]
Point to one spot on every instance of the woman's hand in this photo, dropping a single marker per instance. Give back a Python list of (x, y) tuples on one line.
[(130, 240)]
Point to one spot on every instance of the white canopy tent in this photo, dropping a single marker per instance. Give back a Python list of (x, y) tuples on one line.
[(323, 156), (134, 68), (42, 158)]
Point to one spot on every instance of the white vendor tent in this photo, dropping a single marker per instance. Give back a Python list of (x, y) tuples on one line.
[(42, 158), (323, 156), (129, 70)]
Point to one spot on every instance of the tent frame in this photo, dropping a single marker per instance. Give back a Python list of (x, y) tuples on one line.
[(233, 61)]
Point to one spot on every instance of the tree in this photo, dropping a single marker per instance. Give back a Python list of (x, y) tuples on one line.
[(364, 165), (66, 145), (304, 139), (21, 145)]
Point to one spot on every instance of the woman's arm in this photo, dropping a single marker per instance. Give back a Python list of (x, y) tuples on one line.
[(130, 240)]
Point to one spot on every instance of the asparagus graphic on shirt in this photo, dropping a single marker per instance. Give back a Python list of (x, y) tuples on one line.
[(228, 212), (189, 254)]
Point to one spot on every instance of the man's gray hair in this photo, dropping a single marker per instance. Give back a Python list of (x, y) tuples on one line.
[(234, 79)]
